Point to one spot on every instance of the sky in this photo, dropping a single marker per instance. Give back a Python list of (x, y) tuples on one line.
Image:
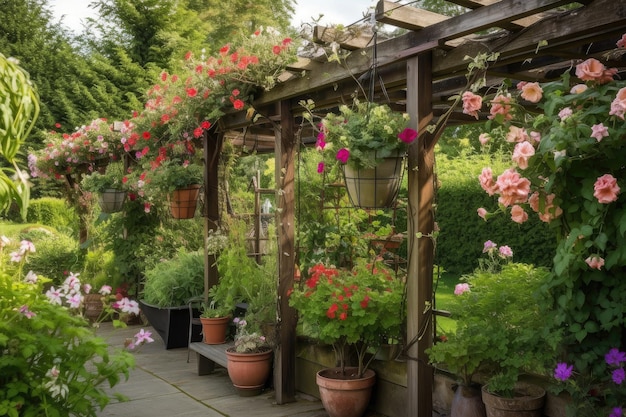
[(334, 11)]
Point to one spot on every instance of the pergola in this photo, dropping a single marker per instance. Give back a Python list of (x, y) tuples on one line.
[(421, 70)]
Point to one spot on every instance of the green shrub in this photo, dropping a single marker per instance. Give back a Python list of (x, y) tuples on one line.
[(173, 282), (100, 269), (53, 212), (55, 257)]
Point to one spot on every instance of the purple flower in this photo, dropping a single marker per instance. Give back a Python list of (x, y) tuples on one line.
[(562, 372), (615, 357), (618, 375), (342, 155), (488, 245), (617, 412), (408, 135)]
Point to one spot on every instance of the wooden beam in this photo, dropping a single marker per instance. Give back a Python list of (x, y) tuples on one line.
[(212, 149), (421, 160), (406, 17), (347, 38), (285, 366)]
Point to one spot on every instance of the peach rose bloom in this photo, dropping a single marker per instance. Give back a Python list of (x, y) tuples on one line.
[(578, 88), (595, 262), (472, 103), (516, 134), (590, 70), (550, 211), (532, 92), (522, 153), (512, 187), (605, 189), (501, 105), (518, 215), (486, 181)]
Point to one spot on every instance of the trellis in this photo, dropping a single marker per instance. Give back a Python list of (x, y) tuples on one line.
[(421, 70)]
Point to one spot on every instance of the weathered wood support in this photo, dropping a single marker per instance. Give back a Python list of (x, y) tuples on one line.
[(421, 160), (211, 213), (285, 157)]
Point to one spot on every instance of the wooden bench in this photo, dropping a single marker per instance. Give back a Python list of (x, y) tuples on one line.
[(209, 355)]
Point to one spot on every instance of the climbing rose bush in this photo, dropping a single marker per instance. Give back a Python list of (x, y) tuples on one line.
[(566, 140)]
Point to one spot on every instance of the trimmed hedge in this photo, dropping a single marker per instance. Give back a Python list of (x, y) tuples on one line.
[(462, 232)]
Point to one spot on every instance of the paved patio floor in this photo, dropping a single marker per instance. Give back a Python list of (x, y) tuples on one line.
[(164, 384)]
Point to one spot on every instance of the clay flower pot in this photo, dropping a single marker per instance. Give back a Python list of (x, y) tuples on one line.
[(345, 396)]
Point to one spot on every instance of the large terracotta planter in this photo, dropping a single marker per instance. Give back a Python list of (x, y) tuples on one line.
[(375, 187), (528, 402), (345, 397), (467, 402), (111, 200), (183, 202), (249, 371), (214, 329)]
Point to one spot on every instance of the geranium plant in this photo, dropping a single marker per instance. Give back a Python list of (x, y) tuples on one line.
[(362, 135), (52, 362), (351, 308), (182, 106), (111, 179), (501, 327), (568, 166)]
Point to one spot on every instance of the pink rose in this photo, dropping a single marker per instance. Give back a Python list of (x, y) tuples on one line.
[(590, 70), (595, 262), (484, 138), (342, 155), (622, 42), (408, 135), (518, 215), (482, 213), (505, 251), (605, 189), (599, 131), (550, 211), (618, 106), (501, 104), (472, 103), (512, 187), (461, 288), (532, 92), (522, 153), (486, 181), (320, 167), (516, 134)]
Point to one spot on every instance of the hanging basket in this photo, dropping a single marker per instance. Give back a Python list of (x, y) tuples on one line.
[(183, 202), (377, 187), (111, 200)]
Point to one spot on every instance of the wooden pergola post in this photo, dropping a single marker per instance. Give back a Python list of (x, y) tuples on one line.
[(421, 160), (285, 156), (211, 213)]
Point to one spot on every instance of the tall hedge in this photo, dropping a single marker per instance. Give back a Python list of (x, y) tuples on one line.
[(462, 232)]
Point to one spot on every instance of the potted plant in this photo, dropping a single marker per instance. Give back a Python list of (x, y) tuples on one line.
[(180, 182), (350, 310), (108, 185), (501, 331), (249, 360), (369, 141), (167, 288)]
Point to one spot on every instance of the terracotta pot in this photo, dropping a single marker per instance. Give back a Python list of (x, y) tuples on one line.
[(183, 202), (214, 329), (345, 397), (375, 187), (111, 200), (528, 402), (249, 371), (93, 306), (467, 402)]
